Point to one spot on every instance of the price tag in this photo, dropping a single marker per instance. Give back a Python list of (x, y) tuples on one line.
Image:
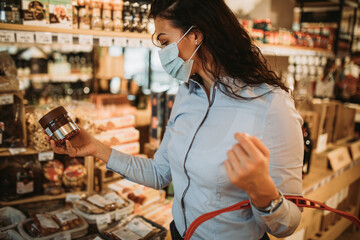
[(15, 151), (118, 215), (133, 42), (44, 37), (66, 39), (44, 156), (122, 42), (147, 43), (86, 40), (72, 197), (63, 236), (6, 99), (105, 41), (7, 36), (102, 221), (322, 143), (25, 37)]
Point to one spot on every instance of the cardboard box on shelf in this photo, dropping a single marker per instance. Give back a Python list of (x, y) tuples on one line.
[(339, 158), (35, 12), (344, 123), (355, 150), (117, 137), (60, 13)]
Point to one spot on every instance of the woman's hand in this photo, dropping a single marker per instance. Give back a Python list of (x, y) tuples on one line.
[(247, 167), (81, 145)]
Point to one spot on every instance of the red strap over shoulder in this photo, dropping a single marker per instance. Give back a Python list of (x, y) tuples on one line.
[(299, 201)]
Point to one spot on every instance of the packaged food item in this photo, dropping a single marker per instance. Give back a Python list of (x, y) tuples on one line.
[(120, 202), (35, 135), (114, 123), (20, 177), (53, 172), (117, 137), (88, 207), (8, 73), (12, 124), (117, 15), (67, 220), (10, 217), (61, 13), (129, 148), (35, 12), (99, 201), (74, 177), (45, 224), (10, 235), (136, 228), (96, 22), (58, 125), (83, 14), (106, 15)]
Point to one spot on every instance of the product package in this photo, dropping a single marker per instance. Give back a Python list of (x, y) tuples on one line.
[(60, 13), (53, 172), (128, 148), (8, 73), (35, 12), (74, 177), (114, 123), (117, 137), (35, 133), (9, 218)]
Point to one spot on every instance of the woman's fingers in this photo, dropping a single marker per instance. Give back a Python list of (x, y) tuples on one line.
[(70, 149), (260, 145), (249, 147), (59, 150)]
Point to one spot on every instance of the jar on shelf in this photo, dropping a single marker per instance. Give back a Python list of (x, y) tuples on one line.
[(106, 15), (84, 14), (144, 18), (117, 6), (96, 22), (136, 24), (127, 16), (75, 13)]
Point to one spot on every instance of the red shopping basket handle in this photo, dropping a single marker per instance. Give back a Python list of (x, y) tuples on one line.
[(299, 201)]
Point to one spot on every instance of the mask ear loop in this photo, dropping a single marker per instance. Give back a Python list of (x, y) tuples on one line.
[(185, 34), (195, 51)]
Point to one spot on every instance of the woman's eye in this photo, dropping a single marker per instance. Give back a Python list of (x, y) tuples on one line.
[(164, 43)]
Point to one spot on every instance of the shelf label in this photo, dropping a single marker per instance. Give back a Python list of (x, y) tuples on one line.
[(122, 42), (64, 38), (102, 221), (322, 143), (63, 236), (147, 43), (7, 36), (44, 156), (72, 197), (14, 151), (86, 40), (133, 42), (105, 41), (6, 99), (25, 37), (44, 37)]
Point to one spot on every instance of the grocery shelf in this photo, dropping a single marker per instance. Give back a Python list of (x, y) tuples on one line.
[(4, 152), (37, 199), (18, 27), (57, 78), (280, 50)]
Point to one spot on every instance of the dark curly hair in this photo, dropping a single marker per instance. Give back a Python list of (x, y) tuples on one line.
[(234, 53)]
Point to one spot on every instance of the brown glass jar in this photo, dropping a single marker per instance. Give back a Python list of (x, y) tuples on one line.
[(58, 125)]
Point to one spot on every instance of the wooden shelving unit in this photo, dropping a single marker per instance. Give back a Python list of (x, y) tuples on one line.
[(279, 50), (57, 78), (18, 27), (4, 152)]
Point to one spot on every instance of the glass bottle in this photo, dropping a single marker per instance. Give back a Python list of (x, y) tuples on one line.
[(96, 22), (8, 11), (15, 10), (75, 14), (3, 12), (127, 16), (117, 15), (84, 15), (106, 15), (307, 149)]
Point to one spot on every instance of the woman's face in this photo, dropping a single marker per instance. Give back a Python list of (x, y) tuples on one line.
[(166, 34)]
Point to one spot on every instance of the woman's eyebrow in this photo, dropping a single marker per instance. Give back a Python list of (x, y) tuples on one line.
[(158, 36)]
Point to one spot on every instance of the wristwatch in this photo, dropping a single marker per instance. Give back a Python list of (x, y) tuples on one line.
[(274, 204)]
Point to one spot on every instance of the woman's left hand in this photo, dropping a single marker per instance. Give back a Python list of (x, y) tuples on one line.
[(247, 167)]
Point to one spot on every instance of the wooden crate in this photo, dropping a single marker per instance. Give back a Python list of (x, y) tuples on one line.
[(344, 123)]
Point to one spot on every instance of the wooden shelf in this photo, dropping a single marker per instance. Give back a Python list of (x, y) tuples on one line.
[(279, 50), (18, 27), (37, 199), (4, 152), (57, 78)]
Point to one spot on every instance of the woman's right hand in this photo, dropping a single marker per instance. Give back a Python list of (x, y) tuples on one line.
[(81, 145)]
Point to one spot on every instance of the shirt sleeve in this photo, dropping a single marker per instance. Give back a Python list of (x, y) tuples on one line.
[(154, 173), (284, 139)]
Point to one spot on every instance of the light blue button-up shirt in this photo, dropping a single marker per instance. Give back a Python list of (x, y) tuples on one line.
[(200, 132)]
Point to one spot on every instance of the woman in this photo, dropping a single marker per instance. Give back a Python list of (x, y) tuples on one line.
[(233, 133)]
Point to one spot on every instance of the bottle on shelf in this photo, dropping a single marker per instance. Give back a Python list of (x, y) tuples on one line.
[(307, 149), (117, 6), (106, 15), (127, 16), (96, 22), (75, 13), (135, 12), (84, 14)]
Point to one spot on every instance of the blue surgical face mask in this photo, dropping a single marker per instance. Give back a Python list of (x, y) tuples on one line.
[(173, 64)]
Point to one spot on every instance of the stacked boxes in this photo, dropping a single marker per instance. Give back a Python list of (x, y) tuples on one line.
[(60, 13), (35, 12)]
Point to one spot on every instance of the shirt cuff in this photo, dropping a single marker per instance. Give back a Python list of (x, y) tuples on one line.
[(282, 209), (118, 162)]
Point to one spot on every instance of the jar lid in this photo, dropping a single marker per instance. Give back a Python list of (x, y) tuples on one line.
[(47, 118)]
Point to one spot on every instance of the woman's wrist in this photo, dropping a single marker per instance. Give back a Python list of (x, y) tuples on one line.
[(102, 151), (262, 196)]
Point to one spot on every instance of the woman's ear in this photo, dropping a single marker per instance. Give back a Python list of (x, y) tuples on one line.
[(198, 37)]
